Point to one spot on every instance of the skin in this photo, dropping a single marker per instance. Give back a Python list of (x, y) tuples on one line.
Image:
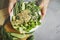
[(11, 4), (43, 6)]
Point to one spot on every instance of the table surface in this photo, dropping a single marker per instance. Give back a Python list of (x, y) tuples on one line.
[(50, 28)]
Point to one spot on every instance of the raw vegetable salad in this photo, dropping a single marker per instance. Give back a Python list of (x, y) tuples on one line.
[(25, 16)]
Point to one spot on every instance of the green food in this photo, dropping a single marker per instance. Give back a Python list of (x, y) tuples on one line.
[(26, 16)]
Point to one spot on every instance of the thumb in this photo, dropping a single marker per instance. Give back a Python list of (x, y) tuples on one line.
[(11, 4), (10, 7)]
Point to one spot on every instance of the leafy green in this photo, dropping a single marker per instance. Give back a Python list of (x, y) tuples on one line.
[(21, 6)]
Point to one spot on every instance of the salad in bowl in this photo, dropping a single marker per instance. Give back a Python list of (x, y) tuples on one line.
[(25, 16)]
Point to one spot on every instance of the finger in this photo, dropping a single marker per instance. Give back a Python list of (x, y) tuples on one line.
[(43, 12), (10, 7), (11, 4)]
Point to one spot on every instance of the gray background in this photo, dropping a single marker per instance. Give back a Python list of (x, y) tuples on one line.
[(50, 28)]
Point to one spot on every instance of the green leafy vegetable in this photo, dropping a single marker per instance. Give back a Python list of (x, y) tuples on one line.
[(27, 15)]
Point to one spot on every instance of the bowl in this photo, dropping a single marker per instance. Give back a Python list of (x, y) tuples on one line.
[(33, 29)]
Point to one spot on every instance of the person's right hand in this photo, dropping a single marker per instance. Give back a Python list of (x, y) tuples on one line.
[(43, 7), (11, 4)]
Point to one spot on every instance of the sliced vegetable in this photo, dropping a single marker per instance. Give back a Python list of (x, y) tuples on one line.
[(27, 16)]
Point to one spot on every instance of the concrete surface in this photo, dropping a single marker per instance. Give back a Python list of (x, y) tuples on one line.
[(50, 28)]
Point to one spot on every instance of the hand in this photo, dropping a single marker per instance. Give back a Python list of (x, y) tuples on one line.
[(43, 7), (11, 4)]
